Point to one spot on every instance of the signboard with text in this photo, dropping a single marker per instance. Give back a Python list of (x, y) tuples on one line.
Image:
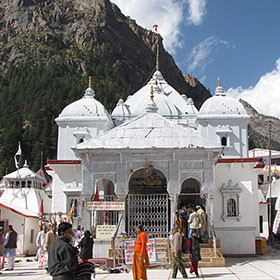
[(129, 250), (105, 231), (106, 205)]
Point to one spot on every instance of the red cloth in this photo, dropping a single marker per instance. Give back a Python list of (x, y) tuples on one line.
[(194, 266), (96, 196)]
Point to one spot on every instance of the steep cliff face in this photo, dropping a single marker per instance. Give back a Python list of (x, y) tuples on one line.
[(68, 31), (259, 127)]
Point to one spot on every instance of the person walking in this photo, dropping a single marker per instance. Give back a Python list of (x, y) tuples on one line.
[(86, 245), (63, 257), (40, 242), (50, 237), (194, 253), (194, 221), (177, 250), (11, 246), (203, 223), (140, 257)]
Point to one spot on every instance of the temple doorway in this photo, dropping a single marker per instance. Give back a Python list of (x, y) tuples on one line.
[(190, 194), (148, 202)]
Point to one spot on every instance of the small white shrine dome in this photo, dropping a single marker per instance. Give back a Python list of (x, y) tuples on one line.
[(86, 107), (190, 108), (221, 105), (121, 110)]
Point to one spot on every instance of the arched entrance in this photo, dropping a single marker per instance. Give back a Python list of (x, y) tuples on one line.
[(190, 193), (106, 192), (147, 202)]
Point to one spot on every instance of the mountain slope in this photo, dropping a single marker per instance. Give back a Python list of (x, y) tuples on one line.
[(259, 129), (48, 48)]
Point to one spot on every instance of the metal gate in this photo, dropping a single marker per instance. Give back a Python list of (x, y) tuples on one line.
[(150, 210)]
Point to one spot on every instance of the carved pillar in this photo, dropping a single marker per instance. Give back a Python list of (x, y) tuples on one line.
[(173, 207)]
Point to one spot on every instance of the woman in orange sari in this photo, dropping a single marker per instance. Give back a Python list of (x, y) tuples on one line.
[(140, 258)]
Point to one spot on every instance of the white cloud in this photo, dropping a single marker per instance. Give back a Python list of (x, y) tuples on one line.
[(203, 54), (168, 14), (197, 9), (264, 96)]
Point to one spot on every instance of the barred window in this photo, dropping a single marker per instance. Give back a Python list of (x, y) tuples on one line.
[(231, 208)]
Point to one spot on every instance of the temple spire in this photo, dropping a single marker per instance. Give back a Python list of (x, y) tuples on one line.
[(152, 94), (89, 81), (157, 59), (219, 82)]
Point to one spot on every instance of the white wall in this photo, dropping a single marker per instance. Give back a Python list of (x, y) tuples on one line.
[(67, 139), (30, 224), (63, 175), (237, 139), (237, 237), (17, 221)]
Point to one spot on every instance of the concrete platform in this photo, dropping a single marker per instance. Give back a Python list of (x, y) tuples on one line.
[(259, 268)]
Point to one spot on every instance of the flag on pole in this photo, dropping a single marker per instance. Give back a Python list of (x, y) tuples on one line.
[(155, 26), (96, 196), (18, 154), (70, 213), (42, 209)]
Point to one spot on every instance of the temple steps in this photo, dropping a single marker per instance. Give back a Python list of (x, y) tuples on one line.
[(208, 258)]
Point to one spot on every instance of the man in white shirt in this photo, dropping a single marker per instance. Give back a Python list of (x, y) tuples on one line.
[(40, 242)]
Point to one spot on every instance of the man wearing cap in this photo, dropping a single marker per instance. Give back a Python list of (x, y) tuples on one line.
[(177, 250)]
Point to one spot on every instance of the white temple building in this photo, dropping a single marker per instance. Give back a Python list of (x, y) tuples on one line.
[(157, 153), (20, 205)]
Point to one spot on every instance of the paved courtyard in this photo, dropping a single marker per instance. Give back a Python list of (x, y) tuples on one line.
[(260, 268)]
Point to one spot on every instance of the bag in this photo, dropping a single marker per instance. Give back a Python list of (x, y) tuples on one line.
[(2, 261), (186, 245), (44, 261)]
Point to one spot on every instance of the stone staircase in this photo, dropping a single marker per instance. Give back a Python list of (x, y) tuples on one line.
[(208, 258)]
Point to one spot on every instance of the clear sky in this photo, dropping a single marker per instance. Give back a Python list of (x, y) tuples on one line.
[(237, 40)]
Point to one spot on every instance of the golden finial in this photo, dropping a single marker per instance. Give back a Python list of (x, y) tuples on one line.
[(89, 81), (156, 82), (152, 94), (219, 82)]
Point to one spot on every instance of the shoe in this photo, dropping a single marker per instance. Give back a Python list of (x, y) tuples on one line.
[(185, 277), (7, 269)]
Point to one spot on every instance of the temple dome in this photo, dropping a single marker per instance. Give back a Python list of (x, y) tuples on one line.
[(221, 105), (86, 107), (169, 102)]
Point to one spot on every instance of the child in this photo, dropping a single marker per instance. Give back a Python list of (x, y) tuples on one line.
[(194, 253)]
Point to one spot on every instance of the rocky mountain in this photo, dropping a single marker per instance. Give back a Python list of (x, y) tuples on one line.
[(69, 31), (48, 48), (259, 129)]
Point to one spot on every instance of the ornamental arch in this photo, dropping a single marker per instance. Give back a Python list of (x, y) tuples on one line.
[(148, 202), (190, 193)]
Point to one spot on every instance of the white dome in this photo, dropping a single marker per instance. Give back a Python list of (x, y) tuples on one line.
[(121, 110), (220, 104), (138, 102), (169, 102), (86, 107)]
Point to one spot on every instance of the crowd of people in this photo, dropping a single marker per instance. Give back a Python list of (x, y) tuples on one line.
[(58, 248)]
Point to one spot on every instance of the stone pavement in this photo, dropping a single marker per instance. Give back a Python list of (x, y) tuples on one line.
[(260, 268)]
